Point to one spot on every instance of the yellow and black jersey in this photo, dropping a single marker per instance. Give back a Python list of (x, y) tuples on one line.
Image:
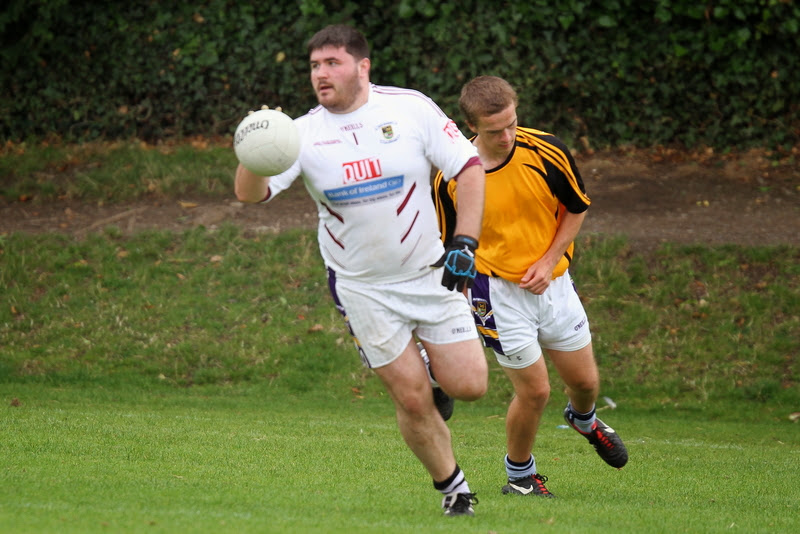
[(525, 199)]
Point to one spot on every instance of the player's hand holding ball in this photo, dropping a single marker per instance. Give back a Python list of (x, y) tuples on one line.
[(266, 142)]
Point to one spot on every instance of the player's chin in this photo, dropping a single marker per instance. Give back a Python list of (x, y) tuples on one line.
[(327, 102)]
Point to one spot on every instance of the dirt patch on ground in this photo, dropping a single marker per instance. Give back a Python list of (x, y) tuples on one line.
[(649, 198)]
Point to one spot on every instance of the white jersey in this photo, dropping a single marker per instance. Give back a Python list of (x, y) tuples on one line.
[(369, 173)]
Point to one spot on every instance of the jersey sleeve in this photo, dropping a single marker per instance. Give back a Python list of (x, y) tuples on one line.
[(446, 146), (558, 161), (281, 182)]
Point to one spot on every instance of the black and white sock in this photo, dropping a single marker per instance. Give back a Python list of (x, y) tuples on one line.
[(455, 483)]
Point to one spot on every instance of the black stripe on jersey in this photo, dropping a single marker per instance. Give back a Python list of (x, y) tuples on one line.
[(554, 150), (560, 188), (445, 208), (555, 155), (562, 158), (541, 173)]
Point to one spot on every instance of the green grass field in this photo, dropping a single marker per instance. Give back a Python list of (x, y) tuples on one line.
[(203, 382), (249, 459)]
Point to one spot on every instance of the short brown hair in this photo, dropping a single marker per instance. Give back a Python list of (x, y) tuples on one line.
[(485, 95), (340, 35)]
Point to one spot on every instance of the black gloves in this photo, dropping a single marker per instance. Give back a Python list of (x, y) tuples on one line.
[(459, 263)]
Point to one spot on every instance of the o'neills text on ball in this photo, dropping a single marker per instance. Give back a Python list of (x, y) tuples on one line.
[(240, 135)]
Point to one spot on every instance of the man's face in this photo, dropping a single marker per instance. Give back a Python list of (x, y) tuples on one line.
[(339, 81), (499, 131)]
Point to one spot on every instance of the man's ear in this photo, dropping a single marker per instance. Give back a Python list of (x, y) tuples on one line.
[(363, 66)]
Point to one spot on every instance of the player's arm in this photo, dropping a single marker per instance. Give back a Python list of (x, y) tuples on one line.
[(459, 255), (250, 187), (537, 278), (470, 192)]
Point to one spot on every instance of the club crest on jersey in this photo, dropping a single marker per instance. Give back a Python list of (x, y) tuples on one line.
[(387, 132)]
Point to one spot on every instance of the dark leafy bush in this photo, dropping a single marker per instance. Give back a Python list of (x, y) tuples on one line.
[(724, 74)]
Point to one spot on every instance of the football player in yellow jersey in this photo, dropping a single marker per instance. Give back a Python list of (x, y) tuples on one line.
[(523, 299)]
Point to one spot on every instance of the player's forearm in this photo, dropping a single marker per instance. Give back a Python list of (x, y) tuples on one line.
[(470, 192), (250, 187), (567, 232)]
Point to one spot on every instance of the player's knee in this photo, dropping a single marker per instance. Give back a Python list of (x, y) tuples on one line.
[(413, 404), (472, 391), (533, 396), (584, 385)]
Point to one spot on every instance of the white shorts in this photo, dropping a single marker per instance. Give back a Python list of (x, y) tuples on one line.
[(383, 317), (517, 324)]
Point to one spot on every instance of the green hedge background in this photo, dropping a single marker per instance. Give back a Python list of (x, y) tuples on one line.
[(722, 73)]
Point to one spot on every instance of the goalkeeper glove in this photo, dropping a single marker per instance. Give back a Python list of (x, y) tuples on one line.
[(459, 263)]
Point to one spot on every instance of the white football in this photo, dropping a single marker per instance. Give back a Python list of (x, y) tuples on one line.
[(266, 142)]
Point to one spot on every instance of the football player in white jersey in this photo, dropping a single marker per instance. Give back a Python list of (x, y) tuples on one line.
[(366, 157)]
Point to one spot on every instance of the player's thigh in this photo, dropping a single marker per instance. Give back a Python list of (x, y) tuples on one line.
[(460, 367), (578, 368), (406, 380)]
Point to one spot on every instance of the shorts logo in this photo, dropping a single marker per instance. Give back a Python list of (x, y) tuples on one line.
[(580, 325), (480, 307), (358, 171)]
